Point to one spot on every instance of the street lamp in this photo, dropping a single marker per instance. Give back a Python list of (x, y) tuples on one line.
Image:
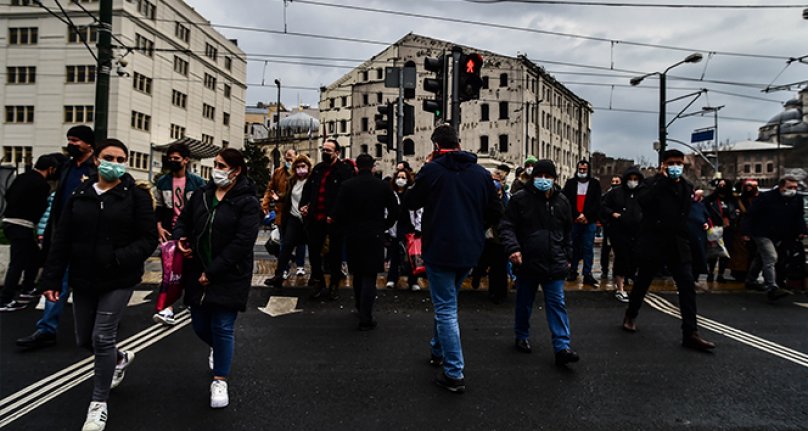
[(276, 154), (692, 58)]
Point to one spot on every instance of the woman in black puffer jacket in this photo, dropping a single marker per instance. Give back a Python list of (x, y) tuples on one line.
[(106, 231), (217, 229)]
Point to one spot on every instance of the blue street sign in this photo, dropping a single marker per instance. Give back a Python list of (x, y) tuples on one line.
[(702, 135)]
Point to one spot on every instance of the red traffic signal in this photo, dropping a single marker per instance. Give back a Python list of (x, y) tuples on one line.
[(469, 79)]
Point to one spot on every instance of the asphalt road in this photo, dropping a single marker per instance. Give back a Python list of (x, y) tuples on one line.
[(313, 370)]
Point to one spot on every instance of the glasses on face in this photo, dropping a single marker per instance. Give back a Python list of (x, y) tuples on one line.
[(220, 165), (111, 158)]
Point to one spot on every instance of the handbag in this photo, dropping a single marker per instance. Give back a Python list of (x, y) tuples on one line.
[(273, 244), (171, 285), (715, 243), (414, 255)]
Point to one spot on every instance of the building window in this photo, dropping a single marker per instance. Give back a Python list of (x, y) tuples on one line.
[(141, 121), (82, 33), (225, 144), (758, 168), (19, 114), (211, 51), (503, 80), (207, 139), (503, 110), (22, 2), (225, 118), (142, 83), (180, 66), (331, 127), (343, 126), (770, 167), (18, 155), (379, 73), (182, 32), (484, 144), (79, 114), (79, 74), (146, 8), (484, 112), (365, 101), (408, 147), (227, 90), (210, 82), (21, 75), (205, 171), (364, 76), (363, 149), (179, 99), (364, 124), (485, 83), (208, 111), (379, 151), (344, 101), (379, 97), (23, 35), (138, 160), (177, 131), (144, 45), (228, 63), (503, 143)]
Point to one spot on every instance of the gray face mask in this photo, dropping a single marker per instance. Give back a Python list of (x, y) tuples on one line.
[(788, 193), (221, 177)]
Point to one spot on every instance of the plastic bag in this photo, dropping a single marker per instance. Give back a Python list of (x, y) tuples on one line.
[(414, 255), (273, 245), (715, 233), (171, 286)]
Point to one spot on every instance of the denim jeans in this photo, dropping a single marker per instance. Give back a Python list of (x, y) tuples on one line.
[(53, 310), (444, 284), (554, 307), (214, 325), (583, 246), (768, 259)]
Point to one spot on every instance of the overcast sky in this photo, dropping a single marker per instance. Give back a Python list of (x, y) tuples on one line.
[(769, 32)]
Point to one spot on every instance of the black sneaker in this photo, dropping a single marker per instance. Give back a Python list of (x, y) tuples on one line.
[(12, 306), (777, 293), (572, 276), (759, 287), (37, 339), (566, 356), (28, 295), (435, 361), (523, 345), (591, 281), (457, 386)]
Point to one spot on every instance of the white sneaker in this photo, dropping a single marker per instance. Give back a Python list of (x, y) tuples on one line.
[(210, 360), (96, 417), (390, 285), (120, 368), (621, 296), (218, 394), (300, 272), (166, 317), (415, 287)]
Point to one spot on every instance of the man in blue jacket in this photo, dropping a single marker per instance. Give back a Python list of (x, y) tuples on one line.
[(459, 201)]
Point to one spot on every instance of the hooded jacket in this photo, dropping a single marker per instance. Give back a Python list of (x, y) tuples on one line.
[(234, 229), (623, 200), (593, 198), (164, 195), (665, 205), (459, 201), (103, 239), (776, 217), (540, 229)]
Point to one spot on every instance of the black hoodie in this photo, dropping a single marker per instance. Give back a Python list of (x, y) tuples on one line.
[(623, 200)]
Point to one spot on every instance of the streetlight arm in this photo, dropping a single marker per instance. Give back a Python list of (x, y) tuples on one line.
[(697, 151)]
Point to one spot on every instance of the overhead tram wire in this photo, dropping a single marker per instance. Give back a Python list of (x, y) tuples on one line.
[(642, 5)]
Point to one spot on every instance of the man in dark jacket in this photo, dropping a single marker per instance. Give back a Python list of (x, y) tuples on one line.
[(536, 234), (583, 193), (317, 206), (606, 243), (622, 210), (366, 208), (79, 169), (664, 240), (459, 201), (26, 199), (776, 218)]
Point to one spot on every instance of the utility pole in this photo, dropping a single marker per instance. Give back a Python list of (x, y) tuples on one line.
[(456, 53), (400, 117), (103, 70)]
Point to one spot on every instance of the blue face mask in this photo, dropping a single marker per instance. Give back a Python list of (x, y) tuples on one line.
[(675, 171), (111, 171), (543, 184)]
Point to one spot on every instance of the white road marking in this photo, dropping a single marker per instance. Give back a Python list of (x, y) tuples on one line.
[(801, 304), (746, 338), (139, 297), (280, 306)]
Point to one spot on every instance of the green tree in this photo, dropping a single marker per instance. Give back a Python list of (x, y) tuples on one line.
[(258, 164)]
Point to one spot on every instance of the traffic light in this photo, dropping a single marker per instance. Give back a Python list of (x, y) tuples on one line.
[(384, 123), (409, 120), (469, 80), (436, 85)]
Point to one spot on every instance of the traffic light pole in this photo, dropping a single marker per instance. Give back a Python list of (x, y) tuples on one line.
[(455, 121), (400, 116), (103, 70)]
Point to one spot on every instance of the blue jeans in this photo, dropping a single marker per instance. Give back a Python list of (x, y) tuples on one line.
[(214, 325), (583, 246), (444, 284), (53, 310), (554, 306)]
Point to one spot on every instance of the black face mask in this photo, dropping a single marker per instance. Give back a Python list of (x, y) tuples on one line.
[(53, 176), (327, 157), (174, 166), (74, 151)]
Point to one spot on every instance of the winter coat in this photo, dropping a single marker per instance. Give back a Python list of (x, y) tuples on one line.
[(27, 198), (235, 223), (592, 202), (623, 200), (360, 213), (539, 228), (776, 217), (460, 202), (665, 208), (58, 198), (164, 196), (103, 239), (723, 210), (340, 172)]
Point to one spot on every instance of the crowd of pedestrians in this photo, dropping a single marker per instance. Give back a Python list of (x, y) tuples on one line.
[(450, 220)]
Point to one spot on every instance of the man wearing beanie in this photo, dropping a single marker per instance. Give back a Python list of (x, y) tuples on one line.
[(80, 167), (525, 175), (460, 202), (536, 233), (583, 192)]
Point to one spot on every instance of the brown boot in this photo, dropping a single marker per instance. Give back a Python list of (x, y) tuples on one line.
[(694, 341), (628, 324)]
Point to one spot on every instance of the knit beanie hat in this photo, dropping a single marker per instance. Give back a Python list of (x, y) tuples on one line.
[(531, 160), (85, 133), (545, 166)]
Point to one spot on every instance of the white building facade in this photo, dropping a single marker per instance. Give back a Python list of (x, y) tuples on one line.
[(177, 79)]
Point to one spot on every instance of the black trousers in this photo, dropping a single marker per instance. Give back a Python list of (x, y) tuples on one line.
[(605, 251), (682, 275), (293, 235), (364, 286), (24, 263), (318, 233)]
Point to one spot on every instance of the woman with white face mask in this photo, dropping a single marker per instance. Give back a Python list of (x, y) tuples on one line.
[(217, 230), (407, 222), (293, 232)]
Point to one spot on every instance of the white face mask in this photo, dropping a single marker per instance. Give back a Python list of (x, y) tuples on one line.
[(632, 184), (221, 177), (582, 175), (529, 170), (401, 182), (788, 193)]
